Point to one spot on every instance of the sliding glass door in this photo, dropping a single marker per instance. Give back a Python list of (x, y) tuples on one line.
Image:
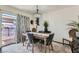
[(8, 28)]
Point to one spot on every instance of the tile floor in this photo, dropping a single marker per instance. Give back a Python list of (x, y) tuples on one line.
[(19, 48)]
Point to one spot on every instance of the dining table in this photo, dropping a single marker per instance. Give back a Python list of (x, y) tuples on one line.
[(41, 36)]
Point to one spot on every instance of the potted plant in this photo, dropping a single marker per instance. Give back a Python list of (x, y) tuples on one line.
[(45, 26), (75, 25)]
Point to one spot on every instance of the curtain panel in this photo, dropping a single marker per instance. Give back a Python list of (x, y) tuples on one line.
[(23, 23)]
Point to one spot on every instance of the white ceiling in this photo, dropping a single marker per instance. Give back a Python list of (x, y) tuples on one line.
[(42, 8)]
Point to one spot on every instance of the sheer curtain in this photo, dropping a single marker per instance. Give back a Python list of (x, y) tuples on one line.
[(23, 25)]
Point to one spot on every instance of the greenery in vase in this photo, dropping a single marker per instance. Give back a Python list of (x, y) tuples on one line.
[(74, 24), (45, 26)]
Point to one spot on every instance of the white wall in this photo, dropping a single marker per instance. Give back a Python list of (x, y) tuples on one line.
[(58, 21)]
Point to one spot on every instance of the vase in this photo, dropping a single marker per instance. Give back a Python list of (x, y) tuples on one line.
[(45, 29)]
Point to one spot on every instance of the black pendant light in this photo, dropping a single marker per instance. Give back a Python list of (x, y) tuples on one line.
[(37, 15)]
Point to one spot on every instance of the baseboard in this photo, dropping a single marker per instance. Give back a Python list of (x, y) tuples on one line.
[(60, 42), (8, 44)]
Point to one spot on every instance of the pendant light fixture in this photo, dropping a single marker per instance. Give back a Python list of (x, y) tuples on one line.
[(37, 15)]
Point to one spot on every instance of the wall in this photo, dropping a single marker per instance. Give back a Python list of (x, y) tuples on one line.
[(58, 21)]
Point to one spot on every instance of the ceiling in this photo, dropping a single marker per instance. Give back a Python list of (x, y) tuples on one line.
[(42, 8)]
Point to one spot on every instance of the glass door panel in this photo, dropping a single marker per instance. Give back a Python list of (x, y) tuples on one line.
[(8, 28)]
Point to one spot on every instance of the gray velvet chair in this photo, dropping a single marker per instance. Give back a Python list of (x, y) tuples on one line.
[(32, 40), (48, 41)]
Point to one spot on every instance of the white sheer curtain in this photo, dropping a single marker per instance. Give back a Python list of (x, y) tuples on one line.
[(23, 25), (0, 31)]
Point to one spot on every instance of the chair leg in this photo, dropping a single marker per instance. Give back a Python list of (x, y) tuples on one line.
[(63, 41), (32, 48), (49, 48), (71, 48), (41, 47), (23, 43), (45, 49), (52, 47), (28, 45)]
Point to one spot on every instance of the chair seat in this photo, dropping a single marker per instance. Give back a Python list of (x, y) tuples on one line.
[(70, 39)]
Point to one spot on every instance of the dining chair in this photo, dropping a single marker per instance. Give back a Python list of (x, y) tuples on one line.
[(70, 40), (34, 30), (23, 39), (32, 40), (48, 41)]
